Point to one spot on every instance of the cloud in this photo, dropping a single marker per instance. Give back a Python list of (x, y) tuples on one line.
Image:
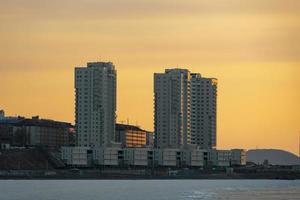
[(78, 9), (210, 31)]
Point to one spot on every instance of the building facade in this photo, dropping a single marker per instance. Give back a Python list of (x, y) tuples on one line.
[(2, 114), (139, 157), (152, 157), (95, 113), (238, 157), (135, 157), (172, 108), (131, 136), (221, 158), (150, 139), (185, 110), (203, 111), (75, 156), (35, 132), (228, 158)]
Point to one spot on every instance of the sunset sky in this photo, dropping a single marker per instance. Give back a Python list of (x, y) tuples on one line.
[(252, 47)]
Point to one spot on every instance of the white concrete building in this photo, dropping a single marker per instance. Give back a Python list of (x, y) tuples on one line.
[(220, 158), (238, 157), (185, 110), (109, 156), (139, 156), (75, 156), (195, 158), (172, 108), (95, 87), (167, 157), (226, 158), (203, 111), (148, 157)]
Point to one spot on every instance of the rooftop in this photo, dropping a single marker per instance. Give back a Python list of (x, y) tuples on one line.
[(34, 121)]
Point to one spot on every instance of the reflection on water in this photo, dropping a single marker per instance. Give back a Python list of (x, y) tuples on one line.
[(199, 195), (265, 194), (149, 189), (245, 194)]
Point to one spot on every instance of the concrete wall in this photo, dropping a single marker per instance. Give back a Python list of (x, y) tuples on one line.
[(75, 156), (148, 157)]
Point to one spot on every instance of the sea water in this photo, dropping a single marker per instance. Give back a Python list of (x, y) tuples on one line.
[(149, 189)]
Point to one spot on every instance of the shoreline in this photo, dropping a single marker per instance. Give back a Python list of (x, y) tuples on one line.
[(129, 177)]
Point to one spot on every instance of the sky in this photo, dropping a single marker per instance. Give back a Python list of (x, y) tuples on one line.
[(252, 47)]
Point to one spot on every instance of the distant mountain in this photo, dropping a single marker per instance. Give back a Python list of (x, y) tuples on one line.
[(274, 156)]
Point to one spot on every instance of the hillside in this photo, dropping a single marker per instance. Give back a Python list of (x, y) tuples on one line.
[(274, 156), (26, 159)]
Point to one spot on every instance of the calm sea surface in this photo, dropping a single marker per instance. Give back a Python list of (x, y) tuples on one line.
[(148, 189)]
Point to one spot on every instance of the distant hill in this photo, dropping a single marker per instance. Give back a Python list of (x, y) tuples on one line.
[(274, 156)]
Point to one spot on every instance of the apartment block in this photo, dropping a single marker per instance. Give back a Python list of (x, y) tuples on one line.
[(21, 131), (95, 87), (185, 110), (172, 108), (131, 136), (203, 111)]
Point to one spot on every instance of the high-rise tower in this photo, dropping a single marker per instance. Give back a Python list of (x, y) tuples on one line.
[(184, 110), (95, 105), (172, 108), (203, 111)]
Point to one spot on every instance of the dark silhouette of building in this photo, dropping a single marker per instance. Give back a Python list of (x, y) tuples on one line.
[(20, 131)]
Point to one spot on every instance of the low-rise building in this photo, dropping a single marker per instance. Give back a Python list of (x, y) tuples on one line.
[(195, 157), (227, 158), (139, 156), (167, 157), (75, 156), (223, 158), (131, 136), (22, 131), (151, 158), (238, 157), (110, 156), (220, 158)]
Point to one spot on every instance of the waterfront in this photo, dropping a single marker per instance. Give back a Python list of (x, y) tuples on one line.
[(149, 189)]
